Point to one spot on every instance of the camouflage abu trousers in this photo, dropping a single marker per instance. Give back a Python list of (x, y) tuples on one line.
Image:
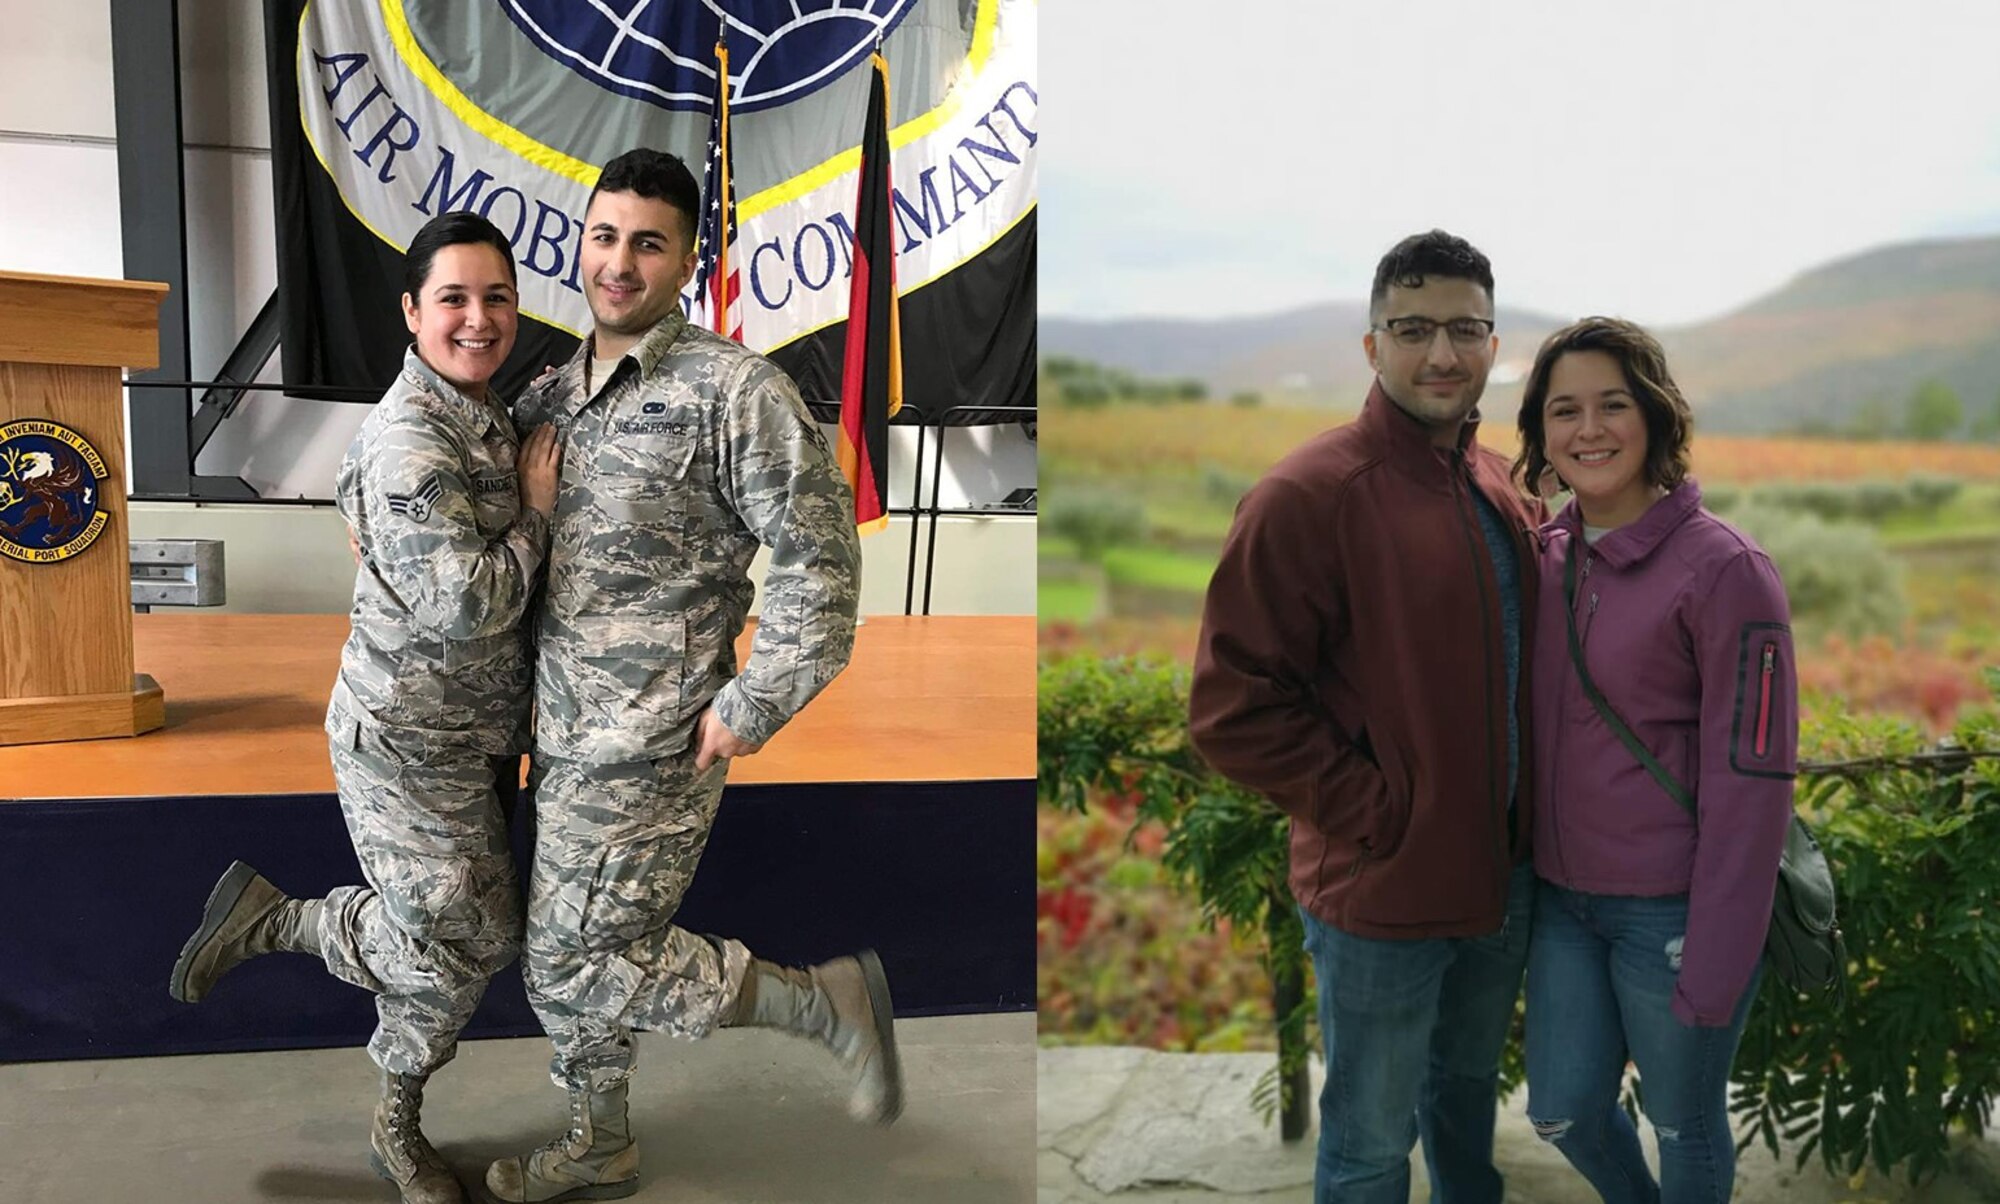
[(441, 913), (615, 849)]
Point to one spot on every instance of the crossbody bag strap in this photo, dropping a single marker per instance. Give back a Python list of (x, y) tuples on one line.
[(1631, 742)]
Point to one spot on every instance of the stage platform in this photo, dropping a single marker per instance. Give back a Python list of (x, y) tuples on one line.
[(925, 699), (896, 812)]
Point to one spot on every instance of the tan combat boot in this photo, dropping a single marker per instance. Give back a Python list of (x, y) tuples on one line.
[(843, 1004), (401, 1153), (246, 916), (595, 1160)]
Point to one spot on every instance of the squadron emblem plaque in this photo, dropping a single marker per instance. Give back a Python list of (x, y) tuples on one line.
[(51, 502)]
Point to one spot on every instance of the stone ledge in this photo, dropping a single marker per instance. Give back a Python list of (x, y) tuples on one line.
[(1118, 1125)]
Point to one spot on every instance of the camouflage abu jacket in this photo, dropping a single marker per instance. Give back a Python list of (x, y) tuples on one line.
[(694, 452), (448, 562)]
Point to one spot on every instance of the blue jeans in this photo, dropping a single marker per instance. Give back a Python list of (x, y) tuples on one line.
[(1601, 972), (1413, 1033)]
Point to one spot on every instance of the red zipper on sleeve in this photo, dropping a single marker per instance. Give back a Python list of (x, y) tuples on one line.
[(1764, 700)]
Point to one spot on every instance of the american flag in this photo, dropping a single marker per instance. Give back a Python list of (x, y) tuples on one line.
[(715, 242)]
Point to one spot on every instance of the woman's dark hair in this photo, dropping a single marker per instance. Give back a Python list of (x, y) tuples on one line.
[(450, 230), (1669, 422)]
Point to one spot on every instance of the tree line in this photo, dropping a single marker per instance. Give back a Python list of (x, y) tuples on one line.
[(1933, 412)]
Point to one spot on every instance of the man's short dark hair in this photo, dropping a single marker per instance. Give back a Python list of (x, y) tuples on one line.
[(657, 176), (1432, 255)]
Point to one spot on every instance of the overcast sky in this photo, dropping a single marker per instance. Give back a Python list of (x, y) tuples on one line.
[(1664, 161)]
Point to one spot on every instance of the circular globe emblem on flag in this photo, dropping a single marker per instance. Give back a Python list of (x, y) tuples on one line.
[(51, 503), (663, 51)]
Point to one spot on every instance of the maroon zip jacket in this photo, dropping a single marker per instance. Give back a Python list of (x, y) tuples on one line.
[(1351, 670)]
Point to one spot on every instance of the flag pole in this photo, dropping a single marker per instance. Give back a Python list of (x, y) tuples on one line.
[(860, 619), (721, 289)]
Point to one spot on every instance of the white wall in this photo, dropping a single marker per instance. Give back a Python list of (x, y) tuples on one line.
[(294, 559), (59, 214), (58, 68)]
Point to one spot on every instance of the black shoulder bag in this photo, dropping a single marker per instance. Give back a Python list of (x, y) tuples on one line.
[(1804, 947)]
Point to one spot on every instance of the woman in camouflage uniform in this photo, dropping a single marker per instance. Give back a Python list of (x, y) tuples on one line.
[(449, 512)]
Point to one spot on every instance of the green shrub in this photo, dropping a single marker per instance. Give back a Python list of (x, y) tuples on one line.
[(1086, 392), (1874, 501), (1886, 1075), (1928, 494), (1093, 519), (1838, 576), (1838, 501), (1914, 1052), (1119, 726), (1223, 485)]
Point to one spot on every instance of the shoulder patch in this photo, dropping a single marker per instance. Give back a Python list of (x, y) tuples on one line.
[(418, 506)]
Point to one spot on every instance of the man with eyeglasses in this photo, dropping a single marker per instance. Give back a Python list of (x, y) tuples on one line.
[(1360, 665)]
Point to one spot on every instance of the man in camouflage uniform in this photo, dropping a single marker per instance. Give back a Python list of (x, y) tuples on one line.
[(682, 452), (428, 716)]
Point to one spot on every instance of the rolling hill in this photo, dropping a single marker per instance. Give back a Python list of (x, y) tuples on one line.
[(1813, 353)]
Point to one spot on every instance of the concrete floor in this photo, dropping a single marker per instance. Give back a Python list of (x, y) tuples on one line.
[(742, 1116)]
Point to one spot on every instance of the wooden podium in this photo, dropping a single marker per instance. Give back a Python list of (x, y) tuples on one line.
[(65, 561)]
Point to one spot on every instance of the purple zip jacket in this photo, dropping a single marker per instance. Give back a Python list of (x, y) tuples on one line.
[(1687, 633)]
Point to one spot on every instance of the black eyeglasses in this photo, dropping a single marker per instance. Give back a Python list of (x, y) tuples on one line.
[(1466, 334)]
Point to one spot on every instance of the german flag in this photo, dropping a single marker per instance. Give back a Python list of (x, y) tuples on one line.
[(871, 384)]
